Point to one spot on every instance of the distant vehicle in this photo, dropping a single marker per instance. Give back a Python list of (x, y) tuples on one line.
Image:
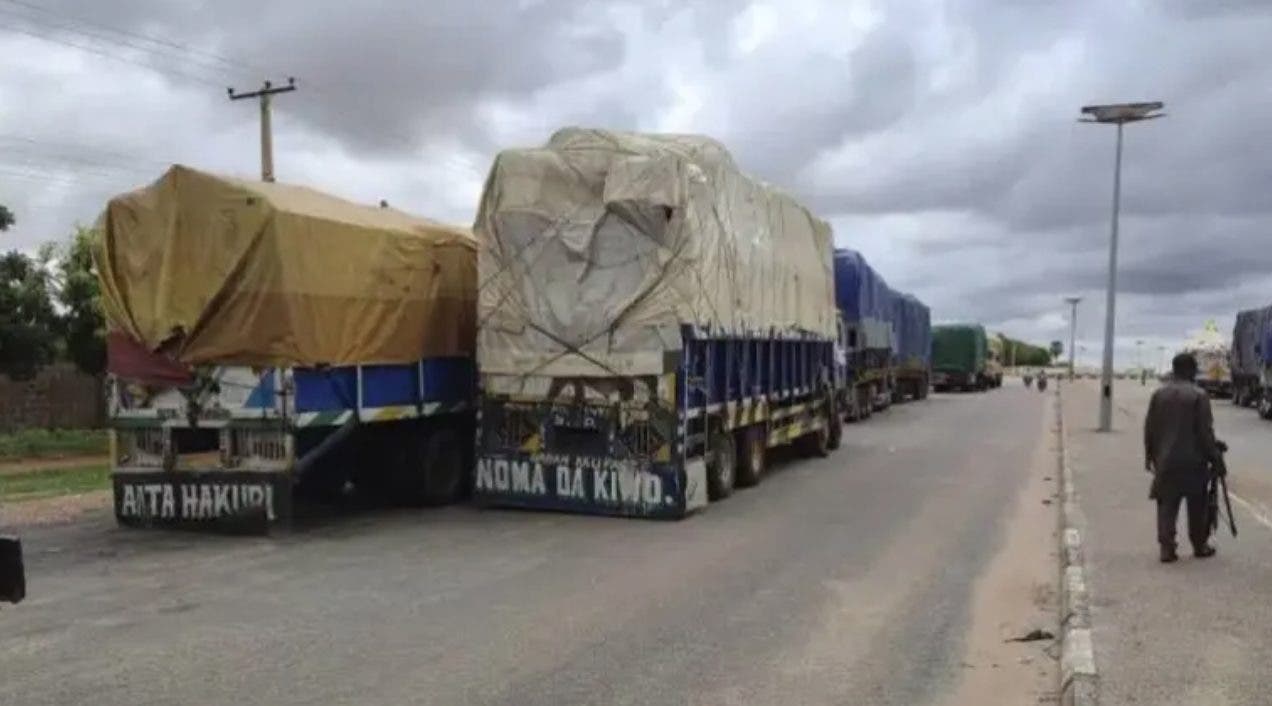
[(866, 308), (1214, 374), (1247, 353), (960, 355), (912, 370), (994, 360)]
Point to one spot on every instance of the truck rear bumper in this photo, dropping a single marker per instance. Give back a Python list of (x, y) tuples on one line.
[(1216, 388), (213, 500), (590, 485)]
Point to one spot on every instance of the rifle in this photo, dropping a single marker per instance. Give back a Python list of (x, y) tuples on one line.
[(1219, 481)]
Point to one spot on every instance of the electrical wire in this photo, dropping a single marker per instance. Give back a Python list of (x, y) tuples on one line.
[(226, 61)]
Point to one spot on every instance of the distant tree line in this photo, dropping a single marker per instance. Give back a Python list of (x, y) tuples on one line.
[(1021, 353), (50, 307)]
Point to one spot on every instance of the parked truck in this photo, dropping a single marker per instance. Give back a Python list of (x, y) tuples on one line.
[(913, 348), (265, 338), (959, 355), (1208, 346), (995, 359), (867, 308), (652, 322), (1246, 355)]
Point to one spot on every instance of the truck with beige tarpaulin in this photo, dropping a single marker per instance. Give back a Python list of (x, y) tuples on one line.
[(651, 322), (265, 338)]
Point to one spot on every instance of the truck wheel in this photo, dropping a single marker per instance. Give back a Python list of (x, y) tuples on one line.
[(750, 454), (834, 426), (441, 468), (1265, 408), (721, 466), (923, 389), (816, 444)]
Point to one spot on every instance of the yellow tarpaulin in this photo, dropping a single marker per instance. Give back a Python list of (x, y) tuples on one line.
[(210, 269)]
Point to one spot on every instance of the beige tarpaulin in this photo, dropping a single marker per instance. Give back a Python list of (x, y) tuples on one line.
[(211, 269), (598, 246)]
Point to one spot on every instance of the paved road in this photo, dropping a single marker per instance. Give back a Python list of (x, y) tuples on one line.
[(1196, 632), (853, 579)]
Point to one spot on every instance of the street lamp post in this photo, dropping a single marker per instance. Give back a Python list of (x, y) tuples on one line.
[(1073, 331), (1116, 114)]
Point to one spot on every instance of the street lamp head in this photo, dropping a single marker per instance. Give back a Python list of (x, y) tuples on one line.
[(1122, 112), (1073, 300)]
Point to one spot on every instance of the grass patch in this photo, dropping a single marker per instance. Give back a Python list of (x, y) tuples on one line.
[(52, 443), (52, 482)]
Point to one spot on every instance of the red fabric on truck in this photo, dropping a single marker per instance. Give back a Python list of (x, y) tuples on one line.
[(130, 360)]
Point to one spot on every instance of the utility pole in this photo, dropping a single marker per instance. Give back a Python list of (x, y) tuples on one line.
[(267, 130), (1073, 331)]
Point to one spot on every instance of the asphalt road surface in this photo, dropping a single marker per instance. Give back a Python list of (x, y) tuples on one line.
[(862, 578)]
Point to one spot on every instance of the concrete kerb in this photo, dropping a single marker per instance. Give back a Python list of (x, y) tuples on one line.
[(1079, 681)]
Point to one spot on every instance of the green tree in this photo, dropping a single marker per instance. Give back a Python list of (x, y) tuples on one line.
[(6, 218), (83, 326), (29, 324)]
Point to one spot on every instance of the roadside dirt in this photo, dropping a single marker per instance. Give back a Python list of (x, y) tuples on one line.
[(1016, 596), (52, 511), (52, 462)]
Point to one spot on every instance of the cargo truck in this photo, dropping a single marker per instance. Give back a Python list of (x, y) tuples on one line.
[(1247, 355), (959, 354), (994, 360), (1214, 357), (867, 308), (913, 346), (652, 322), (267, 338)]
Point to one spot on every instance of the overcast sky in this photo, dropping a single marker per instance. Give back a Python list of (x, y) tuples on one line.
[(939, 137)]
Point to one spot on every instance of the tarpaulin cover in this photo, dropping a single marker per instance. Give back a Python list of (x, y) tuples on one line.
[(913, 331), (864, 299), (210, 269), (596, 248), (959, 347), (1251, 327)]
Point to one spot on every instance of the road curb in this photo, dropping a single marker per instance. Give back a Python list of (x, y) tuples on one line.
[(1079, 680)]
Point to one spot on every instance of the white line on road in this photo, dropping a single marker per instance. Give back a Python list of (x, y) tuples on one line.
[(1255, 511)]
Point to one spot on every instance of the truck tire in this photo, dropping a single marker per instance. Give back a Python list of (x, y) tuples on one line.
[(816, 444), (1265, 408), (834, 426), (721, 466), (421, 467), (922, 389), (752, 447), (441, 468)]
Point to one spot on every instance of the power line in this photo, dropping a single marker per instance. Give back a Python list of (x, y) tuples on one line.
[(112, 41), (70, 147), (109, 55), (54, 176), (232, 63)]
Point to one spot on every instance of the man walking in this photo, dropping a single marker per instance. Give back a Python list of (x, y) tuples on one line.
[(1179, 448)]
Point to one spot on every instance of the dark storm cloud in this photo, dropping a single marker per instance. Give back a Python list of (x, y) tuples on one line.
[(385, 75), (809, 102), (943, 136)]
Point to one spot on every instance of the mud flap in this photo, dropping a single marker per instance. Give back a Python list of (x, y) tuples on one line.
[(695, 484), (233, 502)]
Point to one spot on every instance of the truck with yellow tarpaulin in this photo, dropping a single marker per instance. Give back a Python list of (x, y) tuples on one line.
[(266, 338)]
